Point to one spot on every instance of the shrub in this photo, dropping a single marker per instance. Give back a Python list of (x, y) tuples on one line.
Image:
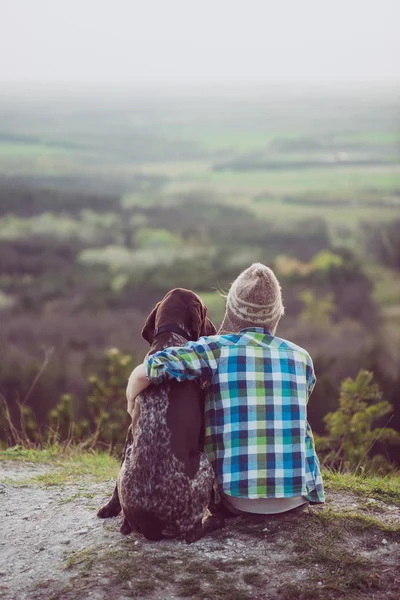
[(101, 426), (351, 429)]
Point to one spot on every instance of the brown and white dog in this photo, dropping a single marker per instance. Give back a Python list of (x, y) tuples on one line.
[(165, 480)]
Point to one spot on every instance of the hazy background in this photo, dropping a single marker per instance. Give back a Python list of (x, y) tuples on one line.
[(145, 146), (218, 41)]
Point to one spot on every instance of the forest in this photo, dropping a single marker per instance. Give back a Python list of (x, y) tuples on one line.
[(108, 201)]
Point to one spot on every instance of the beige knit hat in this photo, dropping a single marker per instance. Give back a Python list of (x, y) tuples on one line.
[(254, 300)]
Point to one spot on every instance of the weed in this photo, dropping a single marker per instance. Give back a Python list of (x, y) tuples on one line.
[(85, 557), (225, 588), (143, 586), (201, 568), (77, 496), (189, 586), (253, 578), (228, 566)]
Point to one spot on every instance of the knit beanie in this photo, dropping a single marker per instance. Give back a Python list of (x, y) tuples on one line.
[(254, 300)]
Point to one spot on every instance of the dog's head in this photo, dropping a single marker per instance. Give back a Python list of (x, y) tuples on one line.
[(182, 308)]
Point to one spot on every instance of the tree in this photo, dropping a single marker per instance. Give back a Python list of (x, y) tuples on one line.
[(351, 429)]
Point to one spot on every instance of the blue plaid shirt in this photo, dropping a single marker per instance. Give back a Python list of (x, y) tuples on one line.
[(257, 434)]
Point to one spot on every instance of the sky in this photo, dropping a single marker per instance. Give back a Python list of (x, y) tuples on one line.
[(199, 41)]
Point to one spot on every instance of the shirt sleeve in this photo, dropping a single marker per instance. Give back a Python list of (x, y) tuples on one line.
[(195, 360), (311, 378)]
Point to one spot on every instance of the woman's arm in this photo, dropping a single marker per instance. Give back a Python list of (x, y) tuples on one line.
[(137, 382), (195, 360)]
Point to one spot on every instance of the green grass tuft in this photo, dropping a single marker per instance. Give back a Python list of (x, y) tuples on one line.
[(253, 578), (385, 488), (189, 586), (67, 465)]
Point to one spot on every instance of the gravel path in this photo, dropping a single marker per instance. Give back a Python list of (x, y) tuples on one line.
[(53, 546)]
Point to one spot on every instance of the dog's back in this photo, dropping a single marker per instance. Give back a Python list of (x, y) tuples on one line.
[(165, 482), (163, 462)]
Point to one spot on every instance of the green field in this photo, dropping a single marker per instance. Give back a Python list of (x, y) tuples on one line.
[(278, 158), (105, 207), (19, 149)]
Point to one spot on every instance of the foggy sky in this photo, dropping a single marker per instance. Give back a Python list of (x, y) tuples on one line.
[(199, 41)]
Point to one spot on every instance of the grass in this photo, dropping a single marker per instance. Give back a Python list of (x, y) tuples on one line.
[(353, 521), (231, 565), (189, 587), (384, 488), (338, 569), (85, 558), (78, 495), (253, 578), (338, 178), (21, 150), (67, 465), (144, 571), (45, 455), (373, 137), (144, 587), (363, 187), (212, 138), (72, 463), (199, 568)]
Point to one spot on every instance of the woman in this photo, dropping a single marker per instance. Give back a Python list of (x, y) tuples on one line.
[(257, 435)]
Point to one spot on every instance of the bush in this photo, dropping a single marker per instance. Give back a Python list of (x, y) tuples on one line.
[(351, 429), (101, 426)]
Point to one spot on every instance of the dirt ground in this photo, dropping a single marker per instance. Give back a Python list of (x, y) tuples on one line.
[(53, 546)]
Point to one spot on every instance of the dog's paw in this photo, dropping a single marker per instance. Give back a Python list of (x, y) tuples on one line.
[(125, 528), (108, 510), (193, 535), (212, 523)]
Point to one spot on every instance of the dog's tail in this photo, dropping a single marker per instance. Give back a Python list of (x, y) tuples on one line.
[(147, 523)]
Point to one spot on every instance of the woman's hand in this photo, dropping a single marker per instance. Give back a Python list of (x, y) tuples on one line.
[(137, 382)]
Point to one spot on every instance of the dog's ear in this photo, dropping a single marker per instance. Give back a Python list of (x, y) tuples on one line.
[(208, 327), (201, 324), (149, 326), (197, 318)]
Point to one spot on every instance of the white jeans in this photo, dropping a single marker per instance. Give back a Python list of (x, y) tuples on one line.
[(263, 506)]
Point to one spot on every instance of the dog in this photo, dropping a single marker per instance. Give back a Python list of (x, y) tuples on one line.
[(165, 482)]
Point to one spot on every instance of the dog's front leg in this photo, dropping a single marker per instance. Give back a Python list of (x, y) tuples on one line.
[(113, 506), (194, 534)]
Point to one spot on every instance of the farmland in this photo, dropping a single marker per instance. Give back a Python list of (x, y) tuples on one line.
[(108, 199)]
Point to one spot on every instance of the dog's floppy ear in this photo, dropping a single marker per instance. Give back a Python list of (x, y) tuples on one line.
[(197, 318), (208, 327), (149, 326), (201, 324)]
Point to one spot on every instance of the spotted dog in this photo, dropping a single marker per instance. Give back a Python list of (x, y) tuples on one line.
[(165, 481)]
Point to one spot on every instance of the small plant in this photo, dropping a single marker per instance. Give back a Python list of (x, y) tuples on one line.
[(107, 400), (317, 311), (100, 427), (351, 429)]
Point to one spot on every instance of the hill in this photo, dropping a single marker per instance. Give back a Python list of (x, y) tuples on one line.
[(53, 546)]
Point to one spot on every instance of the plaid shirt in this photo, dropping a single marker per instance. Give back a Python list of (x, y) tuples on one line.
[(257, 434)]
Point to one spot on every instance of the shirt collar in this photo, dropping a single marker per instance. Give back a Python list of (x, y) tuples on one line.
[(263, 330)]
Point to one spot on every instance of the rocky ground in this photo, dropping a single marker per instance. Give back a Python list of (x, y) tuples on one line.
[(53, 546)]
